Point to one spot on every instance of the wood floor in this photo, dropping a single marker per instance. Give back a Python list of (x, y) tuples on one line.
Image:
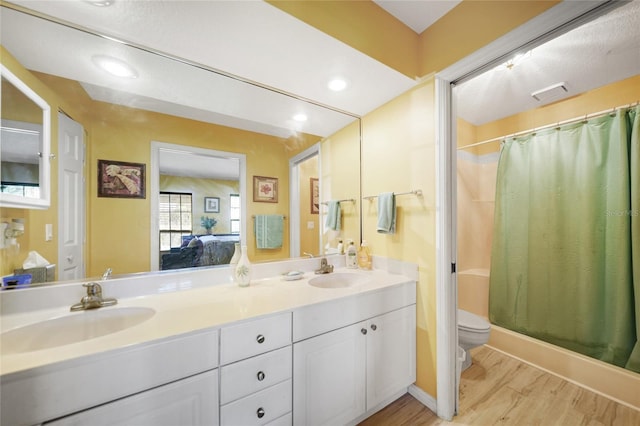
[(499, 390)]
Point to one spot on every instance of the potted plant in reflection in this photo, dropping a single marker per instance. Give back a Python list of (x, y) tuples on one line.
[(208, 223)]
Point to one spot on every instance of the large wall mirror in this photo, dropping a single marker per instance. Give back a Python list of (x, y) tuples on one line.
[(24, 145), (186, 125)]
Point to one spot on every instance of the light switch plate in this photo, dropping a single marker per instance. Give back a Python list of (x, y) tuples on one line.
[(48, 232)]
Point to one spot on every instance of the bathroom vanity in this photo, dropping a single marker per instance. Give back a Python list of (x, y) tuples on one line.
[(329, 351)]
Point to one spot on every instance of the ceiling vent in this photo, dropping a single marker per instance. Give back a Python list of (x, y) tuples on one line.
[(553, 92)]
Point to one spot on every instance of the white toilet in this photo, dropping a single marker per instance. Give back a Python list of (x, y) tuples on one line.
[(473, 331)]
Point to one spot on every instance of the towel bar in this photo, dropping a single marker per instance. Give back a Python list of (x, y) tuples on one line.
[(417, 192), (254, 216), (351, 200)]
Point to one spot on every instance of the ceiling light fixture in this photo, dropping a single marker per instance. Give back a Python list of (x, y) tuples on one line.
[(114, 66), (100, 3), (300, 117), (515, 61), (337, 84)]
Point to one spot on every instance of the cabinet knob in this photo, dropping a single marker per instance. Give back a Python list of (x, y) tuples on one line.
[(374, 327), (260, 376), (260, 412), (260, 338), (363, 330)]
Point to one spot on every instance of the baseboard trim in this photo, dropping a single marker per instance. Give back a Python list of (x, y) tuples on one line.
[(427, 400)]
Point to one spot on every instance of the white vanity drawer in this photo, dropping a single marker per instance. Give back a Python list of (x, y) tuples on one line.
[(255, 337), (251, 375), (260, 408)]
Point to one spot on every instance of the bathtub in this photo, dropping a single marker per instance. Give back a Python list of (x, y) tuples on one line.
[(473, 291)]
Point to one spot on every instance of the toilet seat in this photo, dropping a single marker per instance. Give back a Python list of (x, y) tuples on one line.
[(472, 322)]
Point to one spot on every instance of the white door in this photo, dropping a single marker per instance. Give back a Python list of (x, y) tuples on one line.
[(188, 402), (329, 377), (391, 354), (70, 199)]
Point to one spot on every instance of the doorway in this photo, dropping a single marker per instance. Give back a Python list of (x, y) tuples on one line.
[(547, 26), (304, 197)]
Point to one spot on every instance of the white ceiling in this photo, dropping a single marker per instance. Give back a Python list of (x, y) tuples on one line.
[(417, 14), (600, 52)]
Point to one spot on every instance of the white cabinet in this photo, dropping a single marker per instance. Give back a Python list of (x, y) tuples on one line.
[(255, 379), (391, 354), (188, 402), (340, 375), (329, 377)]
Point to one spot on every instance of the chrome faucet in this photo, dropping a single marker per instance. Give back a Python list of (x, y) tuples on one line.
[(93, 299), (107, 274), (325, 267)]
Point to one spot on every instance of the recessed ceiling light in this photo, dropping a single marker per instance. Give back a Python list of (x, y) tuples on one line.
[(300, 117), (100, 3), (114, 66), (337, 84), (515, 61)]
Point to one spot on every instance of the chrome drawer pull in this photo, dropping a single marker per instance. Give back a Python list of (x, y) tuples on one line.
[(260, 338), (374, 327), (260, 412), (363, 330), (260, 376)]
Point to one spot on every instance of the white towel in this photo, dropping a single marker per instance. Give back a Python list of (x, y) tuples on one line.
[(386, 213), (334, 214)]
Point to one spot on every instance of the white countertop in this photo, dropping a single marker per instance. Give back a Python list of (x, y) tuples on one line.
[(188, 311)]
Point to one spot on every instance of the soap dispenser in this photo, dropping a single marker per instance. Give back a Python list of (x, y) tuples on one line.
[(351, 256), (364, 256)]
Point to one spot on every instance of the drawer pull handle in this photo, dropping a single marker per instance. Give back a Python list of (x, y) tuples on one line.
[(260, 376), (374, 327), (260, 412), (260, 338), (363, 330)]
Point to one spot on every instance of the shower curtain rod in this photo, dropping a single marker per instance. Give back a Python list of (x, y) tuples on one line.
[(559, 123)]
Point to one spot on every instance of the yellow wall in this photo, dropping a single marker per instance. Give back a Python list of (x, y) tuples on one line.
[(367, 27), (340, 154), (399, 154), (118, 136), (200, 188)]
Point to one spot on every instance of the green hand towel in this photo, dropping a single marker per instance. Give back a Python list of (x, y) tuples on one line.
[(269, 230), (386, 213), (333, 215)]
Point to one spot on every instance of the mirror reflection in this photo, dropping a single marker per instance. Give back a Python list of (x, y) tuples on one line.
[(24, 138), (168, 102)]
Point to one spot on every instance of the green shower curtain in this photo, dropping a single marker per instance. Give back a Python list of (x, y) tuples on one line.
[(565, 263)]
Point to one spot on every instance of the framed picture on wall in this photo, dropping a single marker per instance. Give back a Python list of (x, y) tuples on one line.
[(315, 196), (212, 204), (265, 189), (118, 179)]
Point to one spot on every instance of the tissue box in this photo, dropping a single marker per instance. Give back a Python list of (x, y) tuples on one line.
[(39, 274)]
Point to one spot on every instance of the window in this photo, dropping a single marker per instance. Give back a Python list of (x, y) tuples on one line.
[(175, 217), (234, 213), (20, 189)]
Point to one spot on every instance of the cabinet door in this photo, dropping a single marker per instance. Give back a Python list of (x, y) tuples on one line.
[(329, 377), (188, 402), (391, 354)]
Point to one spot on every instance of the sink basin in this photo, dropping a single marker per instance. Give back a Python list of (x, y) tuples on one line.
[(72, 328), (336, 280)]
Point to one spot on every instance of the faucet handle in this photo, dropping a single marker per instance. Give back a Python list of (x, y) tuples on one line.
[(93, 289)]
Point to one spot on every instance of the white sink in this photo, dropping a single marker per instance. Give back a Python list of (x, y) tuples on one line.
[(72, 328), (336, 280)]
